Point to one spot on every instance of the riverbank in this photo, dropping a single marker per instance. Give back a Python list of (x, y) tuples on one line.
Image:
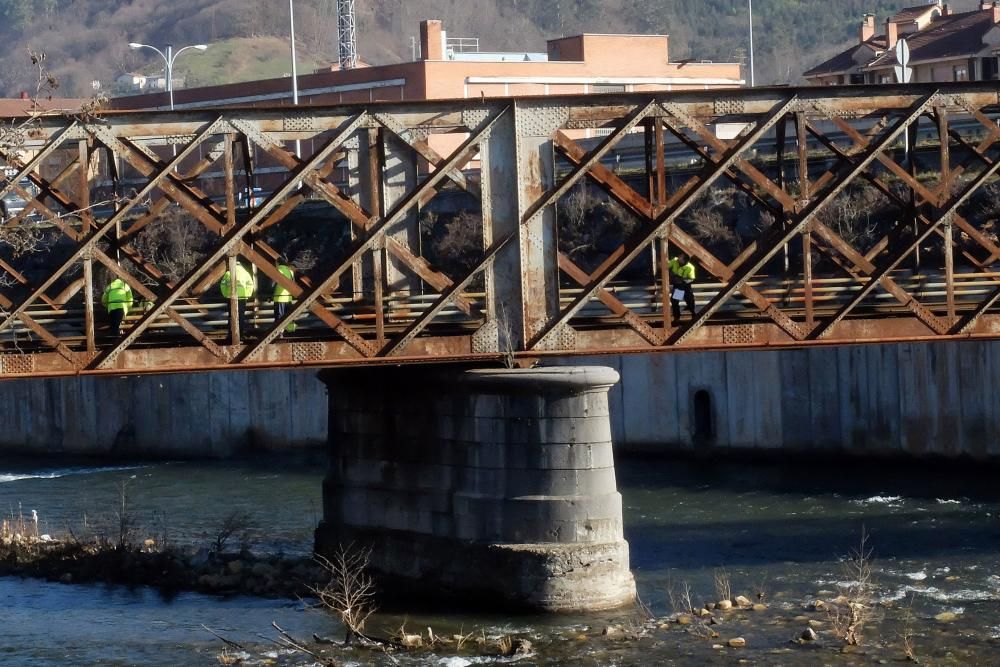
[(170, 570), (849, 620)]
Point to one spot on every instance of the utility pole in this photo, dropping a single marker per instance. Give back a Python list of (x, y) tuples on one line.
[(750, 8), (295, 73), (295, 80)]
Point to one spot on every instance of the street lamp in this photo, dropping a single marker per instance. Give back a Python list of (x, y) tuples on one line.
[(295, 73), (750, 9), (169, 57)]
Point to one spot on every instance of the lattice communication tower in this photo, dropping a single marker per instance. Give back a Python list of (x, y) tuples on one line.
[(347, 34)]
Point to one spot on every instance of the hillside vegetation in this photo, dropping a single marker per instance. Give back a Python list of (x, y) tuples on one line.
[(86, 40)]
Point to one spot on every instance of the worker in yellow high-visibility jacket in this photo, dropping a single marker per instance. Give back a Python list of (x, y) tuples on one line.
[(282, 297), (682, 274), (117, 300), (245, 288)]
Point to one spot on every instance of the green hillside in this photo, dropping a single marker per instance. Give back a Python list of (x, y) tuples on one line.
[(242, 59), (86, 40)]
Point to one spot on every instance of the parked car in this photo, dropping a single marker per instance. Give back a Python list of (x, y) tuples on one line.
[(13, 203), (257, 197)]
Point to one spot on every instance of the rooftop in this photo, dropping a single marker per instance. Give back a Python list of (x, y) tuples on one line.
[(908, 14), (16, 107), (948, 35), (953, 35)]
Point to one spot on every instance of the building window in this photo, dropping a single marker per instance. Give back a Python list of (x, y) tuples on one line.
[(960, 73), (886, 78), (989, 68), (606, 88), (857, 78)]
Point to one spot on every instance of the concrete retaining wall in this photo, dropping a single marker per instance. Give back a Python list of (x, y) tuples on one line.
[(914, 399), (927, 398), (208, 414)]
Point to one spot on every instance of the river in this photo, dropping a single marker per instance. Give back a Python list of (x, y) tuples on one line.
[(780, 533)]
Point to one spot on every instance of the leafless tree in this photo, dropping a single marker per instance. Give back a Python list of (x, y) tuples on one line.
[(850, 215), (350, 591), (125, 519), (709, 226), (175, 242), (505, 335), (723, 587), (856, 609), (236, 524), (26, 238), (305, 260), (459, 247), (576, 234)]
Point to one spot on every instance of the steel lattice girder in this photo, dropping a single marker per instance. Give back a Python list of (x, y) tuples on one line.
[(524, 310)]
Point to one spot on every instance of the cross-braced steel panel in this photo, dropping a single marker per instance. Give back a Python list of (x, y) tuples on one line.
[(503, 229)]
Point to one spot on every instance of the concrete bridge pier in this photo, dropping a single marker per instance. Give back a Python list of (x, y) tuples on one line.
[(496, 487)]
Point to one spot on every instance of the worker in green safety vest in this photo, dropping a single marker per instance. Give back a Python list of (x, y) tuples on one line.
[(117, 299), (681, 276), (282, 297), (245, 288)]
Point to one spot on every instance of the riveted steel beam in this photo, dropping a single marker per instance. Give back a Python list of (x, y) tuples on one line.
[(891, 262), (523, 297), (99, 232), (229, 242), (679, 203), (778, 239), (642, 208), (460, 156)]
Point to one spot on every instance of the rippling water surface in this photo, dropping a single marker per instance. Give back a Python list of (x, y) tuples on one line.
[(778, 531)]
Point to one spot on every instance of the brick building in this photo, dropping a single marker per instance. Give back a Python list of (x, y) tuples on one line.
[(448, 69), (944, 46)]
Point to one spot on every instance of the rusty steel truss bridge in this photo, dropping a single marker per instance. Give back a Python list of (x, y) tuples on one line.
[(80, 191)]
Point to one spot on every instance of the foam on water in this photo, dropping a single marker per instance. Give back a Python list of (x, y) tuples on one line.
[(938, 595), (459, 661), (62, 472), (879, 500)]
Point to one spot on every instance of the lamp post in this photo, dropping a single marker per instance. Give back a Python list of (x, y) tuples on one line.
[(295, 74), (168, 58), (750, 9)]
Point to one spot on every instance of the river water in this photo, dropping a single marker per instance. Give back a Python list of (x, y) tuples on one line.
[(778, 531)]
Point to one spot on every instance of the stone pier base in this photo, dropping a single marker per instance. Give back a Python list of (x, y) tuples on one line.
[(493, 486)]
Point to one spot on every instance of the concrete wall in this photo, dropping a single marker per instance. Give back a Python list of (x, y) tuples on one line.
[(914, 398), (208, 414), (918, 399)]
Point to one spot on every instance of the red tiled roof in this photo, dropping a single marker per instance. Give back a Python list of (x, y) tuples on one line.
[(954, 35), (845, 60), (948, 36), (16, 107)]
